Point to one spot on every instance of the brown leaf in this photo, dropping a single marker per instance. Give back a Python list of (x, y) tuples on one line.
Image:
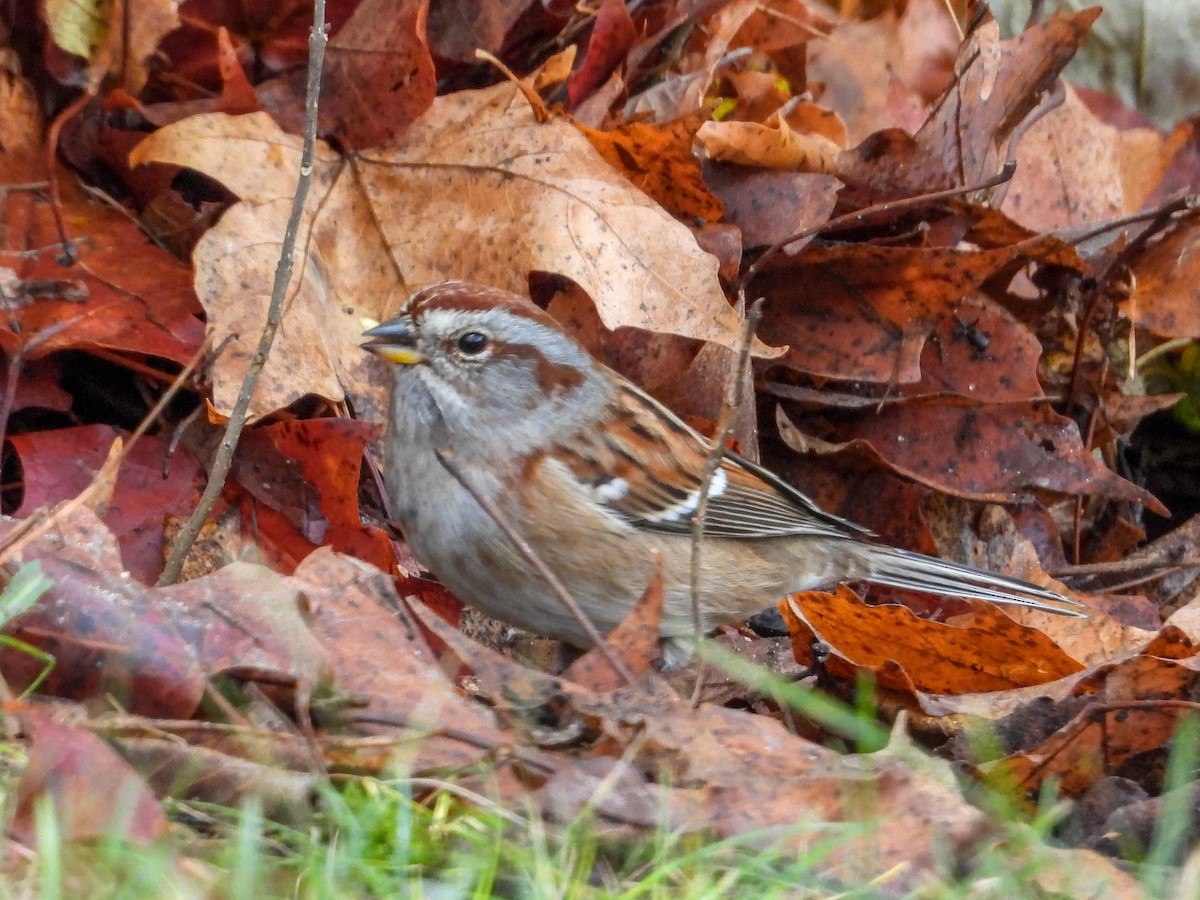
[(458, 27), (1097, 741), (980, 351), (122, 293), (1073, 872), (779, 28), (771, 145), (853, 72), (1068, 171), (658, 159), (185, 769), (95, 794), (863, 312), (111, 44), (107, 636), (913, 796), (747, 774), (613, 33), (1166, 296), (380, 658), (990, 652), (248, 620), (59, 464), (152, 649), (769, 206), (309, 471), (473, 153), (1000, 82), (929, 37), (611, 789), (963, 141), (993, 452), (377, 79), (20, 130), (634, 642)]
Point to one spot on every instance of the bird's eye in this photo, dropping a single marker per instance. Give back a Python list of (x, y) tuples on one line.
[(473, 343)]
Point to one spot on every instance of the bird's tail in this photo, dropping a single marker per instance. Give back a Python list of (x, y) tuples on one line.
[(915, 571)]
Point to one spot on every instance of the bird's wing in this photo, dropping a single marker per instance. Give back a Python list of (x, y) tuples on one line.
[(648, 469)]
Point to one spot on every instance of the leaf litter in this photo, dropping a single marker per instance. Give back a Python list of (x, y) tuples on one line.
[(923, 363)]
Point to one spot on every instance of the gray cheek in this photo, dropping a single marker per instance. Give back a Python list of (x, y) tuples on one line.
[(413, 404)]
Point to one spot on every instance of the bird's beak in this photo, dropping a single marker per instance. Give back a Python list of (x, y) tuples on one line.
[(395, 341)]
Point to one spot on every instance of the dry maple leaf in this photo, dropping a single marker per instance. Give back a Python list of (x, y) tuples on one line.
[(478, 189)]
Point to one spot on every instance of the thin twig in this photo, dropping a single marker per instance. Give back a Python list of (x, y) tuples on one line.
[(131, 365), (1179, 203), (733, 401), (954, 19), (23, 186), (1049, 103), (446, 458), (69, 255), (1121, 587), (860, 217), (223, 461), (10, 390), (1124, 567), (168, 395)]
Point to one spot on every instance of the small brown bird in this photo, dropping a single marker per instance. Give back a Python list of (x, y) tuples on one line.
[(595, 475)]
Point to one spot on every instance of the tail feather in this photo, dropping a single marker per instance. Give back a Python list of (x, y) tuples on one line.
[(903, 569)]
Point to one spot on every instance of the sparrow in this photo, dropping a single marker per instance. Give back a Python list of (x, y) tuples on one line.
[(600, 480)]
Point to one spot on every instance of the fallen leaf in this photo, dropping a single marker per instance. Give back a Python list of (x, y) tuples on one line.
[(771, 145), (964, 139), (850, 72), (309, 471), (121, 293), (1166, 295), (458, 27), (378, 77), (770, 206), (117, 46), (992, 452), (381, 660), (180, 766), (988, 652), (1119, 720), (154, 649), (613, 33), (864, 312), (634, 642), (473, 153), (658, 160), (95, 794), (1068, 171), (981, 351), (58, 464)]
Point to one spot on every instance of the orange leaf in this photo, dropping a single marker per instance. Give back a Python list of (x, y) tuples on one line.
[(906, 653)]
